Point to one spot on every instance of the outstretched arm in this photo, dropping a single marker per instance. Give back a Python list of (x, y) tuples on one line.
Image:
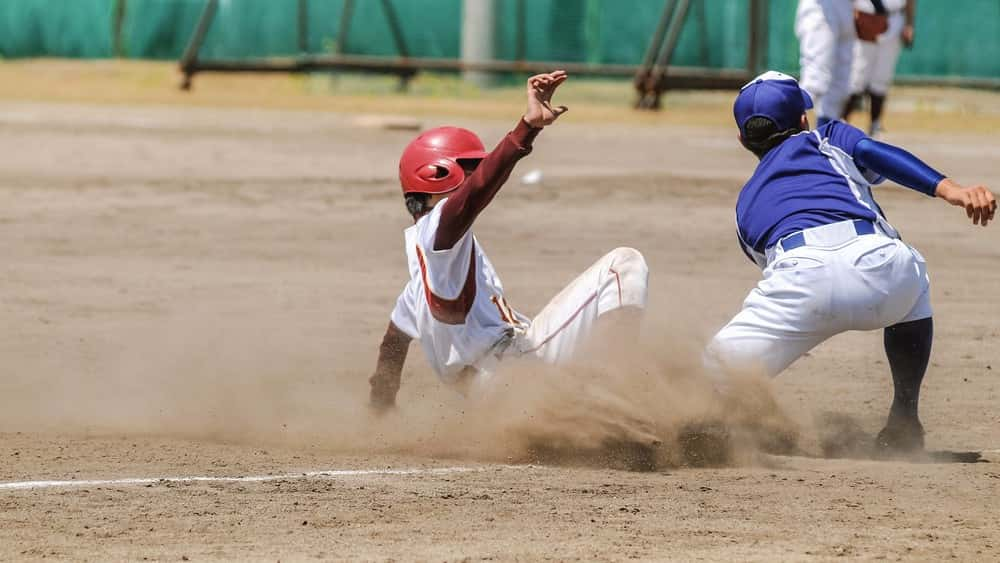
[(389, 369), (477, 191), (907, 170)]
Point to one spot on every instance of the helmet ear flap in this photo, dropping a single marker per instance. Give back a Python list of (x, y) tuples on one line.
[(440, 176), (433, 172)]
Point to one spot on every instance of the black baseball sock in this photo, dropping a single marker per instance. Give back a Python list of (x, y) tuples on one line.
[(877, 102), (853, 103), (908, 348)]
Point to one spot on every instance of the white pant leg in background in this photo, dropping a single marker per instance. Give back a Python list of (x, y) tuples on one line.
[(875, 62), (825, 29), (865, 58), (885, 66), (619, 279), (810, 294)]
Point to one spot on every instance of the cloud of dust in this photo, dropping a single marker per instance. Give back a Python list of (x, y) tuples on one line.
[(635, 405)]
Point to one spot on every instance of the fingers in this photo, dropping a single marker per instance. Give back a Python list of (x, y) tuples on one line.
[(547, 81), (984, 206), (991, 203), (554, 111), (980, 204), (977, 207)]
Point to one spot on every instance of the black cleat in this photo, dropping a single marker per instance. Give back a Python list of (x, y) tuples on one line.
[(900, 437)]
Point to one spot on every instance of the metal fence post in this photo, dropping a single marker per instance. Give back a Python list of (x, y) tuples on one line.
[(189, 60), (478, 27), (117, 28)]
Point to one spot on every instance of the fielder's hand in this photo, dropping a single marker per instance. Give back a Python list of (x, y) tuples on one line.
[(979, 203), (907, 36), (540, 89)]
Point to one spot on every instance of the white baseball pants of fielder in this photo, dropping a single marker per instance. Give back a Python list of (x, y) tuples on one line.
[(875, 62), (619, 279), (815, 291), (825, 29)]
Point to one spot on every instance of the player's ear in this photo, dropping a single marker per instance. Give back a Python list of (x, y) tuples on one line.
[(804, 122)]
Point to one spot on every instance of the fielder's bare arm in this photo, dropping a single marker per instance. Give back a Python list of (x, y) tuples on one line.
[(454, 303)]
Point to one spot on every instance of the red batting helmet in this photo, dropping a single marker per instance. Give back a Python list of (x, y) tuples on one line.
[(429, 164)]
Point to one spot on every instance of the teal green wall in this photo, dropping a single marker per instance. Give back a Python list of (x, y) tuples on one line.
[(957, 37)]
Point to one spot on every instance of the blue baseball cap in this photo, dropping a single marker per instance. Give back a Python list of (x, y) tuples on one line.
[(773, 95)]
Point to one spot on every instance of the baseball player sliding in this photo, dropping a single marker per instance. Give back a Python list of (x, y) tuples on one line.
[(454, 302), (831, 261)]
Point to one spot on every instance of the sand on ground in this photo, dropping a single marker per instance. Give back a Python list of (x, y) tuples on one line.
[(201, 292)]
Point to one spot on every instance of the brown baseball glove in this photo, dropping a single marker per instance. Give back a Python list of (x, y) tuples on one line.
[(870, 26)]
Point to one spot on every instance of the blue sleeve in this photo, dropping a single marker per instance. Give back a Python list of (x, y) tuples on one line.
[(842, 135), (897, 165)]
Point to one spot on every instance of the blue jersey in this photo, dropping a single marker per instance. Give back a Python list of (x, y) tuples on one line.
[(808, 180)]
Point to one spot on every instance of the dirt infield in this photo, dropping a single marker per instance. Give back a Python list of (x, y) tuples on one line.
[(193, 292)]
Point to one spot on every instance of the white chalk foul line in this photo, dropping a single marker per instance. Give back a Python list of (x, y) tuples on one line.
[(24, 485)]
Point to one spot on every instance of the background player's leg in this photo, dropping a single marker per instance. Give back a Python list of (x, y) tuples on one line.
[(853, 103), (817, 42), (832, 106), (884, 68), (908, 349), (861, 70), (877, 101)]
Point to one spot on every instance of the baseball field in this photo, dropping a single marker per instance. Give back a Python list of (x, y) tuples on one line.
[(194, 287)]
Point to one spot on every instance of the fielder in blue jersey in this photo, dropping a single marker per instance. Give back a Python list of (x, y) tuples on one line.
[(831, 261)]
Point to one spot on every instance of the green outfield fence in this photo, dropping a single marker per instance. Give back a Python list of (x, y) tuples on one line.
[(956, 39)]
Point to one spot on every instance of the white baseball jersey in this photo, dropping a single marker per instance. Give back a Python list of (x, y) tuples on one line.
[(890, 5), (454, 305), (454, 300)]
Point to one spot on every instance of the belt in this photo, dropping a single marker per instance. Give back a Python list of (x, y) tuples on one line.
[(827, 235)]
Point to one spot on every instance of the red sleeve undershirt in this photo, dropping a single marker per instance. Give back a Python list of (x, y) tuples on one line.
[(477, 191)]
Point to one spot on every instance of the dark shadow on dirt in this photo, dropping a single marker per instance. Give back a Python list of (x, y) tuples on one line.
[(699, 444), (843, 437)]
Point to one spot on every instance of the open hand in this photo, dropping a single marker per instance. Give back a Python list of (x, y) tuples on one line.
[(979, 203), (540, 89)]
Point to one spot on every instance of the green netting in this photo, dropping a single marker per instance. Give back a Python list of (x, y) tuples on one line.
[(65, 28), (605, 32), (158, 29), (951, 40), (431, 28), (956, 38)]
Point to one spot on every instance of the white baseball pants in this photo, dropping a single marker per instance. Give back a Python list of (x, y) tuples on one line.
[(813, 292), (555, 336), (825, 29), (875, 62), (619, 279)]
